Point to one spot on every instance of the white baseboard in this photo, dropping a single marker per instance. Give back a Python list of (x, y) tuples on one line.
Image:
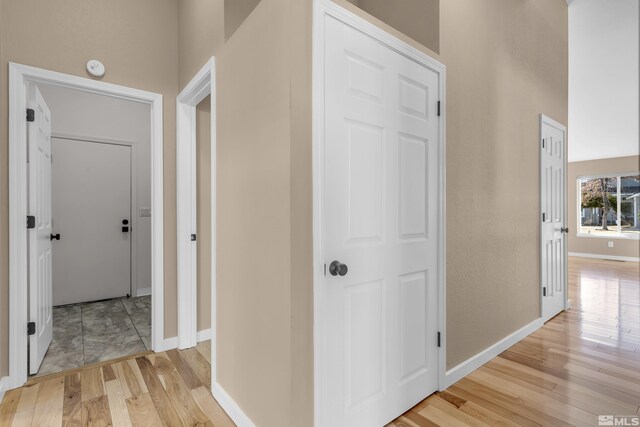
[(465, 368), (231, 407), (204, 335), (609, 257), (171, 343), (4, 383), (142, 292)]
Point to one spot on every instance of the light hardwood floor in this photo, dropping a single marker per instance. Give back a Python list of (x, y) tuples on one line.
[(583, 363)]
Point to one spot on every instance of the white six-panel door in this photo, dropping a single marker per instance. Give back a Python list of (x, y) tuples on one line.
[(379, 239), (553, 217), (40, 247)]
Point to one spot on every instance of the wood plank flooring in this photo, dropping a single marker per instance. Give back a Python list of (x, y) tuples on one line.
[(583, 363), (148, 389)]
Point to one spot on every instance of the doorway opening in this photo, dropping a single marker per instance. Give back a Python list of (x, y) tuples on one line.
[(90, 185)]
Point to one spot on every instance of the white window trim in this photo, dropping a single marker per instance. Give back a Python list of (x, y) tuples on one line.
[(617, 235)]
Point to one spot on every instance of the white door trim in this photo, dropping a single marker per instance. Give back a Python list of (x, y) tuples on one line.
[(133, 232), (549, 121), (19, 77), (202, 85), (323, 8)]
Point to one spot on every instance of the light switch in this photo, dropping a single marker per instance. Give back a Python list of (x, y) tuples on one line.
[(145, 212), (610, 244)]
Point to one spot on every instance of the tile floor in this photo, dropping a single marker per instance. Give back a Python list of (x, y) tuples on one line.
[(98, 331)]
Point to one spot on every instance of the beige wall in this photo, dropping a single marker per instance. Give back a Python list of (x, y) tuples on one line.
[(418, 19), (506, 63), (235, 12), (201, 35), (203, 184), (264, 320), (591, 245), (138, 42)]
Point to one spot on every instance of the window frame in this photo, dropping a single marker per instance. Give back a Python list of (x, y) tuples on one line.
[(618, 234)]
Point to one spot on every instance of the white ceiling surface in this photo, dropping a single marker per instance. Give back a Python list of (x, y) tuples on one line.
[(603, 79)]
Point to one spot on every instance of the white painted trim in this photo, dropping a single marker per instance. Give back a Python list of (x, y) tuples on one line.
[(202, 85), (171, 343), (630, 236), (19, 77), (204, 335), (455, 374), (168, 344), (133, 198), (549, 121), (324, 8), (231, 407), (142, 292), (4, 381), (603, 256)]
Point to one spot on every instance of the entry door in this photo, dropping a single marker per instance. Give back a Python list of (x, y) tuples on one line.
[(92, 213), (553, 216), (379, 344), (40, 247)]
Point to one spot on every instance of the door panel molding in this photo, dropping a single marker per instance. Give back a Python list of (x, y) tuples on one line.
[(19, 77), (324, 10)]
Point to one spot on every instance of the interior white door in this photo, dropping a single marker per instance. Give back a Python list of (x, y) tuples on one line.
[(40, 247), (92, 213), (553, 206), (379, 241)]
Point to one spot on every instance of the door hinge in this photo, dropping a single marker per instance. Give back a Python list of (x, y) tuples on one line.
[(439, 343), (438, 108), (31, 221), (31, 115), (544, 217), (31, 328), (193, 237), (544, 291), (543, 140)]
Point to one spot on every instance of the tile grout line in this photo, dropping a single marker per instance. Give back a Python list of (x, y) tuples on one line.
[(133, 323), (84, 355)]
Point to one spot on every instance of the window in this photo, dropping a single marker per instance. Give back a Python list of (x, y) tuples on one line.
[(609, 206)]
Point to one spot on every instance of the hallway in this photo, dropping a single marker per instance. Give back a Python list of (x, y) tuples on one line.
[(583, 363)]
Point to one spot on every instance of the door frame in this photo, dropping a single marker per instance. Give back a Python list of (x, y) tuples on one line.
[(546, 120), (323, 8), (19, 77), (133, 214), (201, 86)]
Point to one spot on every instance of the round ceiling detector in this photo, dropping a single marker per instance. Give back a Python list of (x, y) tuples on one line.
[(95, 68)]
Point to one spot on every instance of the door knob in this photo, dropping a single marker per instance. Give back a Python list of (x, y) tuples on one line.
[(337, 268), (55, 236), (564, 230)]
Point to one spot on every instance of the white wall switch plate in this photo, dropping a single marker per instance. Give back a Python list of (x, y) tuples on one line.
[(610, 244)]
